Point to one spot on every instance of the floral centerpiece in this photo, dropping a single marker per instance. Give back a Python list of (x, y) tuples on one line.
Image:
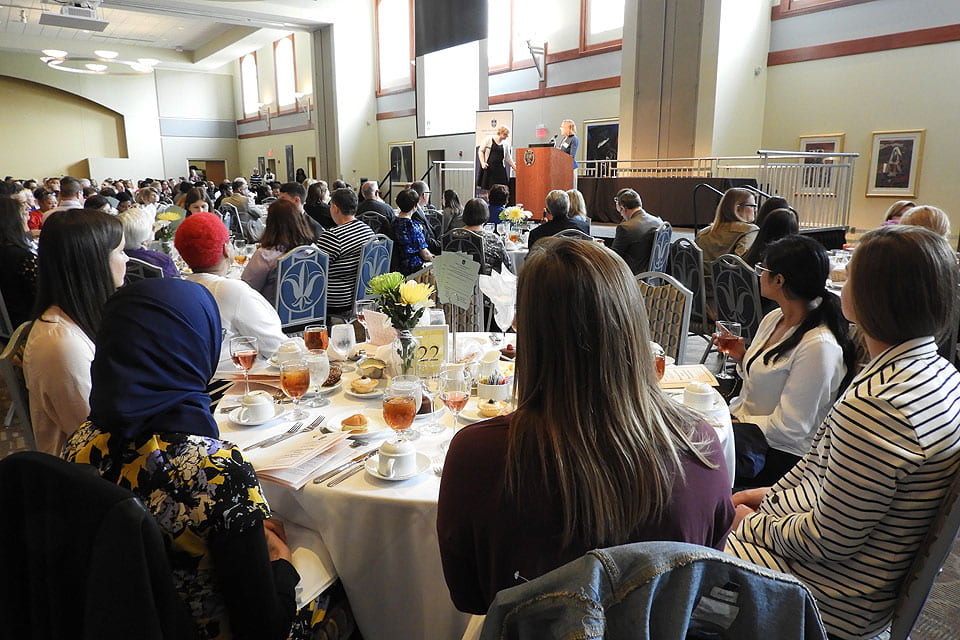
[(515, 215), (403, 302), (163, 228)]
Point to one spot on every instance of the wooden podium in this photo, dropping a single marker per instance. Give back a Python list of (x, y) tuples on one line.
[(540, 170)]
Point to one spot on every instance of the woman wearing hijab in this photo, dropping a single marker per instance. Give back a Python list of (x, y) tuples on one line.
[(151, 431)]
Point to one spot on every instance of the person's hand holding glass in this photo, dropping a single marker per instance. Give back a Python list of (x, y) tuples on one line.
[(729, 343)]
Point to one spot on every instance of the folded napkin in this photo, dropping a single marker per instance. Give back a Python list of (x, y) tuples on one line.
[(380, 328), (501, 288)]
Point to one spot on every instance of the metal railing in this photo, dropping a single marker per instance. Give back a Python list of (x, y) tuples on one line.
[(818, 184), (452, 174)]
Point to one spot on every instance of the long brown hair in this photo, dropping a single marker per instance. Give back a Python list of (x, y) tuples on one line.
[(611, 446), (286, 228), (727, 209)]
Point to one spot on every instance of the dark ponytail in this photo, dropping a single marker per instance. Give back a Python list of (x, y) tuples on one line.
[(804, 265)]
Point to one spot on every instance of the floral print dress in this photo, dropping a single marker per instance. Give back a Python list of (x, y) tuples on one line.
[(195, 487)]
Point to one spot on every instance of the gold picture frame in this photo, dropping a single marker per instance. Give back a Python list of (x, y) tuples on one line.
[(895, 163)]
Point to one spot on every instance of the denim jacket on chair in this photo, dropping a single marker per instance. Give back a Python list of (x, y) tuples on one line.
[(657, 591)]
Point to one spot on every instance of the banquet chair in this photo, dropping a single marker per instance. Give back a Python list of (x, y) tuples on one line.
[(302, 275), (376, 221), (139, 269), (11, 367), (927, 564), (686, 265), (669, 590), (435, 220), (737, 294), (374, 261), (660, 254), (6, 326), (469, 319), (231, 218), (574, 233), (668, 311), (465, 241), (83, 558)]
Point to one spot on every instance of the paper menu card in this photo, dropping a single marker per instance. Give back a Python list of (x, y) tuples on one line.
[(456, 275), (679, 376)]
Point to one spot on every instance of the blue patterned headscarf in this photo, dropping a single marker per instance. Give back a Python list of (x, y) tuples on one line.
[(157, 348)]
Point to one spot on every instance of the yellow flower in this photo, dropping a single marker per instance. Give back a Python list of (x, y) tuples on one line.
[(169, 216), (416, 294)]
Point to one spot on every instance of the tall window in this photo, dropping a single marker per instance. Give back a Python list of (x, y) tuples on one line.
[(285, 71), (499, 34), (394, 45), (601, 23), (249, 84)]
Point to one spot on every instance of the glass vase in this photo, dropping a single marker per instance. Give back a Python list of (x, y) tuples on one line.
[(406, 347)]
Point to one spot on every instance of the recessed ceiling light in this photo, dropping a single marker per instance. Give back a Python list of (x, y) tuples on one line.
[(55, 53), (96, 67), (100, 53)]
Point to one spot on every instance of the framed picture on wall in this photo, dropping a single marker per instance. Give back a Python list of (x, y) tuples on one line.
[(400, 159), (602, 138), (895, 163), (820, 178)]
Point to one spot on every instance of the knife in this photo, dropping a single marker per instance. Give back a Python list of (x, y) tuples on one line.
[(356, 469), (346, 465)]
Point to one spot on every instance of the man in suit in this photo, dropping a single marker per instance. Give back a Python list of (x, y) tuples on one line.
[(557, 214), (635, 235)]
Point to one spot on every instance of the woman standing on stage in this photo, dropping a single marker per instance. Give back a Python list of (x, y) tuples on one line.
[(494, 154)]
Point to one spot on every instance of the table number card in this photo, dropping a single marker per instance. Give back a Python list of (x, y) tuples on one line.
[(457, 276), (433, 345)]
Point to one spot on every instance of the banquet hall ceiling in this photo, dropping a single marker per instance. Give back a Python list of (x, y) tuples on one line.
[(199, 34)]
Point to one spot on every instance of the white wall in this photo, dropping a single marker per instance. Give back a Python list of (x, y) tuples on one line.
[(744, 39), (913, 88)]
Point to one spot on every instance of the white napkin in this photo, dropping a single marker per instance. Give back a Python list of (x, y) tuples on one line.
[(501, 288), (381, 331)]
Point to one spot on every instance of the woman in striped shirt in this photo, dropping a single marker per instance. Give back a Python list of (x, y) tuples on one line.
[(850, 516)]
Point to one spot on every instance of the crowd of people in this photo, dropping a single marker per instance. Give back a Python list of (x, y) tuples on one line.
[(853, 449)]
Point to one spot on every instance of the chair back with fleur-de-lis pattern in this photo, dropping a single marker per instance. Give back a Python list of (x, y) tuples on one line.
[(574, 233), (374, 261), (376, 221), (140, 269), (736, 294), (686, 265), (302, 276), (465, 241), (660, 253)]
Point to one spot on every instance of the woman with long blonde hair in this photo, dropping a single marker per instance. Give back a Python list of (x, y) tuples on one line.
[(595, 455)]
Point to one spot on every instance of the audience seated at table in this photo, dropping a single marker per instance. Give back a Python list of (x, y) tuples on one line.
[(556, 213), (241, 200), (595, 454), (770, 205), (204, 244), (18, 263), (578, 209), (371, 200), (286, 230), (453, 211), (46, 201), (497, 198), (495, 255), (849, 518), (195, 201), (634, 237), (896, 211), (410, 235), (932, 218), (297, 194), (776, 224), (137, 230), (151, 431), (317, 205), (81, 263), (343, 244), (732, 229), (70, 195), (420, 214), (798, 362)]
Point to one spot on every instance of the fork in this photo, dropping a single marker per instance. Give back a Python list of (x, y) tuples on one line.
[(292, 430), (437, 463), (283, 436)]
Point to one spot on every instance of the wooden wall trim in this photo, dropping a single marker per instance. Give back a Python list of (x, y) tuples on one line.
[(250, 119), (276, 132), (790, 8), (560, 56), (402, 113), (902, 40), (560, 90)]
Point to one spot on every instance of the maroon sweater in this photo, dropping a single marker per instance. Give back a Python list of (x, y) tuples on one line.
[(486, 536)]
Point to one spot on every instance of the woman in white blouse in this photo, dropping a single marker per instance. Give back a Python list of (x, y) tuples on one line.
[(799, 361)]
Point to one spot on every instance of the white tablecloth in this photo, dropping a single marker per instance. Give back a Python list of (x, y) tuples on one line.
[(381, 536)]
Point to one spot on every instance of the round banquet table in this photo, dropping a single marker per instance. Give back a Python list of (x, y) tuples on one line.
[(381, 536)]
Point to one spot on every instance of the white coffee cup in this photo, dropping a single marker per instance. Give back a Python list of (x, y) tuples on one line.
[(699, 396), (289, 351), (256, 406), (397, 459)]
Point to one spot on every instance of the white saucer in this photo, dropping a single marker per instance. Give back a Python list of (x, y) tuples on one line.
[(420, 417), (373, 462), (472, 414), (375, 424), (234, 416), (325, 390), (376, 393)]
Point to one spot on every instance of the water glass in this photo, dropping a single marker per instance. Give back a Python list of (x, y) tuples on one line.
[(319, 366)]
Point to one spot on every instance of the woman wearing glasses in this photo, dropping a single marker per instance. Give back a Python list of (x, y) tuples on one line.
[(796, 366), (732, 230)]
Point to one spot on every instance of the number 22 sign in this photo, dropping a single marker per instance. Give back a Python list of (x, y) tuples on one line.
[(432, 350)]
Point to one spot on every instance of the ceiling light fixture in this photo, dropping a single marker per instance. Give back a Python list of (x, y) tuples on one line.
[(55, 53), (109, 55), (104, 64)]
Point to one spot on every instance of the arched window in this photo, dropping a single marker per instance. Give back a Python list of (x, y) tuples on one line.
[(249, 84), (286, 71)]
